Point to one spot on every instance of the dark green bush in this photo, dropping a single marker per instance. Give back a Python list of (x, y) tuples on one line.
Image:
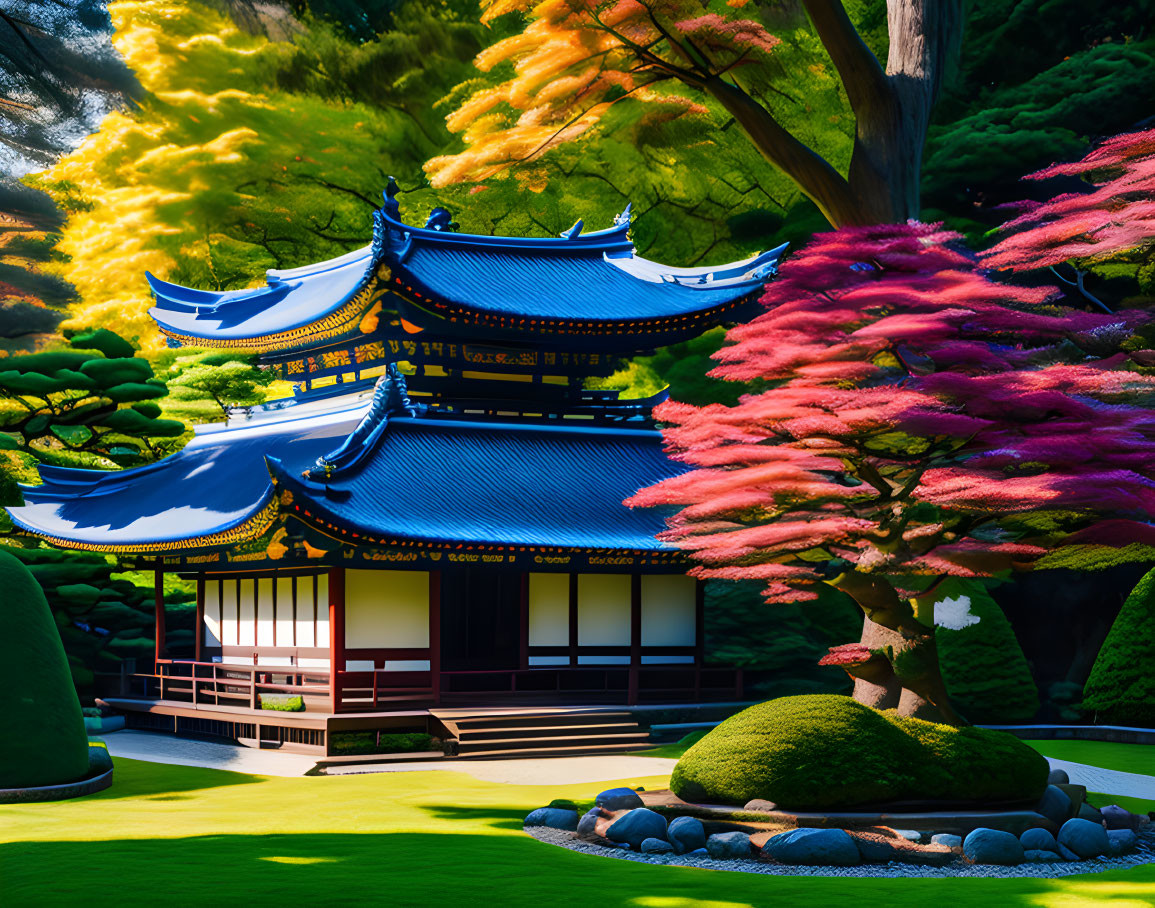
[(983, 665), (818, 752), (1121, 688), (370, 742), (99, 759), (44, 740), (285, 703)]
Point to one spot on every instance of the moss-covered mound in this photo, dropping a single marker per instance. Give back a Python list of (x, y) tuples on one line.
[(986, 673), (43, 741), (819, 752), (1121, 688)]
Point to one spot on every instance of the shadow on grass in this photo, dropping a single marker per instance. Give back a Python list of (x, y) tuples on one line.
[(500, 817), (417, 869), (162, 782)]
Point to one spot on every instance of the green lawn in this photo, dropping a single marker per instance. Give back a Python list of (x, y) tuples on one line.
[(179, 836), (1138, 758)]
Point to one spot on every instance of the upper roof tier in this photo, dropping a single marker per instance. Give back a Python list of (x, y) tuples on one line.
[(367, 472), (480, 287)]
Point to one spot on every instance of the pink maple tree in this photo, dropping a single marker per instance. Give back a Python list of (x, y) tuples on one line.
[(1115, 218), (910, 420)]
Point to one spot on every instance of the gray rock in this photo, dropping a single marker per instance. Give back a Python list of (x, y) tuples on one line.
[(813, 847), (1087, 812), (945, 838), (618, 799), (1040, 856), (874, 851), (1067, 854), (1058, 777), (1084, 838), (1115, 817), (588, 824), (635, 826), (724, 845), (992, 846), (1055, 805), (656, 846), (1038, 839), (553, 817), (698, 853), (760, 805), (686, 834), (911, 835), (1121, 841)]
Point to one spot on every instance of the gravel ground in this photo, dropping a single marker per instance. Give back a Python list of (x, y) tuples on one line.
[(1144, 854)]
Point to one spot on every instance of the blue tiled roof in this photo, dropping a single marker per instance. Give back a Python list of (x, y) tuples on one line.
[(216, 482), (506, 484), (426, 478), (292, 299), (579, 276)]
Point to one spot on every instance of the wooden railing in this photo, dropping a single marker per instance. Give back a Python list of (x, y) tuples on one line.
[(242, 686)]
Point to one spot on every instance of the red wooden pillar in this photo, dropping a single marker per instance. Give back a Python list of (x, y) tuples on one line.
[(523, 638), (635, 635), (573, 620), (336, 635), (435, 634), (158, 613), (200, 623)]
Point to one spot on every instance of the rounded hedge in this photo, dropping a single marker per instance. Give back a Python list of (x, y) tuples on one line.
[(984, 668), (1121, 687), (44, 739), (819, 752)]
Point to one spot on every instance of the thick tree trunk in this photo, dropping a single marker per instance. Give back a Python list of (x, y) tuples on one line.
[(892, 107), (885, 695), (891, 624)]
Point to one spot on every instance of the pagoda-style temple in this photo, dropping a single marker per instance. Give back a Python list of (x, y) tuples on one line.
[(435, 518)]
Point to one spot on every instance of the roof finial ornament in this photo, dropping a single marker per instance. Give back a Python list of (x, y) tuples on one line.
[(572, 233), (390, 398), (392, 206), (625, 217), (441, 219)]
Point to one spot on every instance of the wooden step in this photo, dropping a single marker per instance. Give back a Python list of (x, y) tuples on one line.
[(551, 751), (541, 718), (584, 740), (481, 734)]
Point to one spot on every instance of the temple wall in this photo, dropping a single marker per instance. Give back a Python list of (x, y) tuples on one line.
[(268, 613), (604, 615), (387, 610), (669, 604)]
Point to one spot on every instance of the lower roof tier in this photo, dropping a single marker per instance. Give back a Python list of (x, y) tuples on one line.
[(421, 478)]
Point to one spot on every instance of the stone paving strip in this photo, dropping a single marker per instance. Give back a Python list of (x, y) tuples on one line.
[(156, 747)]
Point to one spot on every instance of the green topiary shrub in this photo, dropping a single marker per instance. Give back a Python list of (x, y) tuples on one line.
[(99, 759), (285, 703), (819, 752), (368, 742), (983, 665), (44, 741), (1121, 688)]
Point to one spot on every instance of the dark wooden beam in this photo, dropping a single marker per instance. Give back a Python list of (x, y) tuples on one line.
[(200, 620), (523, 622), (699, 635), (635, 635), (573, 620), (336, 635), (158, 612), (435, 634)]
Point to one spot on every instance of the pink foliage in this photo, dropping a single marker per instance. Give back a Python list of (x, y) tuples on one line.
[(910, 416), (717, 33), (1117, 215)]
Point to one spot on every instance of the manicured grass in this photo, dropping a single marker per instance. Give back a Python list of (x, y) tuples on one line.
[(674, 751), (1138, 758), (1135, 805), (182, 836)]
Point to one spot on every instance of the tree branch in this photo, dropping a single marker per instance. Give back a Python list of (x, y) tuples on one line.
[(862, 75)]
